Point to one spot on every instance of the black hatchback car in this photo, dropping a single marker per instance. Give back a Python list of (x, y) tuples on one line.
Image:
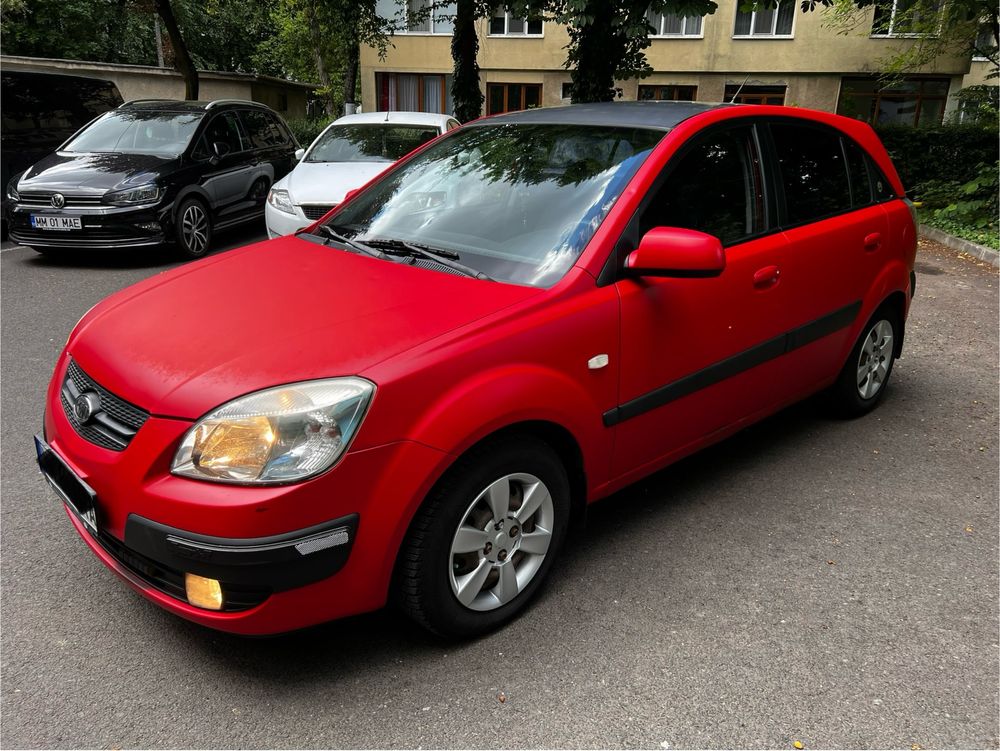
[(152, 172)]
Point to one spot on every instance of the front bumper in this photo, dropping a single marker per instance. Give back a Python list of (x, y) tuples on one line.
[(152, 527), (279, 223), (103, 227)]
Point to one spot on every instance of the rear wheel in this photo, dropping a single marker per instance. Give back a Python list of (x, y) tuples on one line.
[(865, 377), (194, 229), (485, 539)]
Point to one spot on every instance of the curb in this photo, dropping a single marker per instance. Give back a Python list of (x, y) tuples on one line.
[(976, 250)]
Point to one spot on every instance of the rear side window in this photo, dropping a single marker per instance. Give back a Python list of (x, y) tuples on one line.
[(857, 170), (262, 129), (714, 187), (813, 172)]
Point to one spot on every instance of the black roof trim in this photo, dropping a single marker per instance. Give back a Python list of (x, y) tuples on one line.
[(182, 105), (658, 115)]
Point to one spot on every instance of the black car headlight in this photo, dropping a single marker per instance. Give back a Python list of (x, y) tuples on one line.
[(149, 193)]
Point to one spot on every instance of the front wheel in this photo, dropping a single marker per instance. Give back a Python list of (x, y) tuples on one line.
[(194, 229), (485, 539), (865, 376)]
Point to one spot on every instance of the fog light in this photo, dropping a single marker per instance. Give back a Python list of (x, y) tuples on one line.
[(202, 592), (149, 226)]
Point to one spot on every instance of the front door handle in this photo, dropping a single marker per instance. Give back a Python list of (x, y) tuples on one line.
[(873, 241), (766, 277)]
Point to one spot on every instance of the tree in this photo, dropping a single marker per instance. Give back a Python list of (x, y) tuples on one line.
[(466, 93), (182, 58)]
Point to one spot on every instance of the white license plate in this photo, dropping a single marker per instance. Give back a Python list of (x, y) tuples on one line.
[(39, 221)]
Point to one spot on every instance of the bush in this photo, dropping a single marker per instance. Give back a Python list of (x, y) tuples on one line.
[(948, 153), (306, 129)]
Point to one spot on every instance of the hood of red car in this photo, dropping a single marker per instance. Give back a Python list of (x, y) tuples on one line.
[(183, 342)]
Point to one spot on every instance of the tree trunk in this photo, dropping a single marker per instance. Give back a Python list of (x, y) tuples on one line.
[(182, 58), (351, 78), (465, 92), (317, 42), (597, 54)]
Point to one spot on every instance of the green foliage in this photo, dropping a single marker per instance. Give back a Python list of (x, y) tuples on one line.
[(306, 129), (988, 236), (972, 203), (979, 105), (947, 153)]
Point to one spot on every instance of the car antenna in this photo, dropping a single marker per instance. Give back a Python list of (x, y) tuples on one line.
[(733, 100), (386, 116)]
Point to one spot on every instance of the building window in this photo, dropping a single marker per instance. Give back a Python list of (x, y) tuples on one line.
[(567, 90), (510, 97), (411, 92), (670, 92), (905, 18), (914, 101), (505, 25), (755, 94), (985, 45), (766, 23), (671, 25), (417, 16)]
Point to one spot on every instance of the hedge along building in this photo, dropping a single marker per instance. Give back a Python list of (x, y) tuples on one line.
[(148, 82), (779, 56)]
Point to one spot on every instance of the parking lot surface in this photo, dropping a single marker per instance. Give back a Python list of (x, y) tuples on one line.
[(832, 583)]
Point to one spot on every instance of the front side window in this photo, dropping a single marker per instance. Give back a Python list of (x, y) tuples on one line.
[(672, 25), (504, 24), (369, 143), (511, 97), (812, 172), (517, 202), (767, 22), (164, 134), (222, 136), (714, 186)]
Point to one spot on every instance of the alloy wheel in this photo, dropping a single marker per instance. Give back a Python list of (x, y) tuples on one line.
[(194, 229), (875, 359)]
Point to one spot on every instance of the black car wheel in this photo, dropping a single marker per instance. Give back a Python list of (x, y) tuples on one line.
[(485, 539), (194, 228), (865, 376)]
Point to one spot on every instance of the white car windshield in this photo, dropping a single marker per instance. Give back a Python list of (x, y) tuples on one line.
[(374, 142), (516, 202), (164, 134)]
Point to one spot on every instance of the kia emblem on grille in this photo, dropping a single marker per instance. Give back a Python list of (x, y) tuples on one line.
[(58, 200), (85, 406)]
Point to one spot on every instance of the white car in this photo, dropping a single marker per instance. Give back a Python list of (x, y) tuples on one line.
[(346, 155)]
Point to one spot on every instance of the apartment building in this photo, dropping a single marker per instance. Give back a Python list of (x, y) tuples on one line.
[(779, 56)]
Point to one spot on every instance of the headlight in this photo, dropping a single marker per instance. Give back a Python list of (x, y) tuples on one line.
[(12, 193), (281, 200), (282, 434), (143, 194)]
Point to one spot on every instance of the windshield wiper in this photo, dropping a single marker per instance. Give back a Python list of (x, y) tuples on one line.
[(332, 234), (441, 256)]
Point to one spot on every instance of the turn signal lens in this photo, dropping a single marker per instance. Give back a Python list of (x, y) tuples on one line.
[(202, 592)]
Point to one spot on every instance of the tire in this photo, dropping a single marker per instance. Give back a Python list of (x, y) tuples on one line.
[(455, 537), (193, 229), (863, 381)]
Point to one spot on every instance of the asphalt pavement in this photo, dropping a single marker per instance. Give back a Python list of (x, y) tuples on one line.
[(831, 583)]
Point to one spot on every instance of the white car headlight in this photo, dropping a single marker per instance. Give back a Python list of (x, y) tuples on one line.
[(281, 200), (149, 193), (279, 435)]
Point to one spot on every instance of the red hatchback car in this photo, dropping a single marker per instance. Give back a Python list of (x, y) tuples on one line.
[(415, 398)]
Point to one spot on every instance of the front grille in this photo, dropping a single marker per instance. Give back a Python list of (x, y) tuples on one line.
[(113, 424), (170, 581), (45, 199), (314, 210)]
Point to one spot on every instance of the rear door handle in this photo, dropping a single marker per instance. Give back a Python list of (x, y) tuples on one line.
[(873, 241), (766, 277)]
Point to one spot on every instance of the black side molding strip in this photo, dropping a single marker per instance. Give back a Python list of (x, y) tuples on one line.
[(738, 363)]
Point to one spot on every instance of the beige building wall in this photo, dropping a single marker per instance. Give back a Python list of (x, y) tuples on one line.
[(811, 64), (146, 82)]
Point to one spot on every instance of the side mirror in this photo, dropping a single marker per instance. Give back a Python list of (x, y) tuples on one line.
[(676, 252), (221, 148), (299, 153)]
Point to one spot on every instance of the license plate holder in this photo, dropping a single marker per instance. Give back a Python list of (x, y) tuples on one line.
[(78, 495), (58, 223)]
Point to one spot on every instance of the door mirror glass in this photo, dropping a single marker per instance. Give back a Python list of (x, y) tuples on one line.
[(299, 153), (676, 252)]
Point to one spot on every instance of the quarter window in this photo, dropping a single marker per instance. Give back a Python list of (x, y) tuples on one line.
[(813, 172), (767, 22), (715, 186)]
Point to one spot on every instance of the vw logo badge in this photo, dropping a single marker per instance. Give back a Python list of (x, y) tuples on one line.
[(85, 406), (58, 200)]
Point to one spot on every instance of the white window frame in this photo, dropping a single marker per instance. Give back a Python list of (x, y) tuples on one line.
[(891, 34), (506, 28), (404, 14), (684, 25), (774, 24)]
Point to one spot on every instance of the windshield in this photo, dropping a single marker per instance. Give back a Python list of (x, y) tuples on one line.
[(159, 133), (517, 202), (369, 143)]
